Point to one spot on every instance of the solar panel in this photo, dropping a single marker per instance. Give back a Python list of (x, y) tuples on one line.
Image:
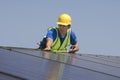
[(33, 64)]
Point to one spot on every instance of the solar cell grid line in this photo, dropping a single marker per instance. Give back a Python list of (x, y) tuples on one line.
[(23, 73), (100, 69), (96, 57), (105, 58), (20, 70), (79, 67), (95, 61), (114, 59), (102, 63), (13, 76), (112, 68), (109, 58), (13, 71), (21, 52)]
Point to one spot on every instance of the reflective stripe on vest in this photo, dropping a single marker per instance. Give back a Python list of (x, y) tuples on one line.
[(57, 46)]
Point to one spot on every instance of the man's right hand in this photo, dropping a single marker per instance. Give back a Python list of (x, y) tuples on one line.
[(47, 49), (48, 44)]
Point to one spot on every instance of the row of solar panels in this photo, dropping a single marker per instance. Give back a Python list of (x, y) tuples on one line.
[(34, 64)]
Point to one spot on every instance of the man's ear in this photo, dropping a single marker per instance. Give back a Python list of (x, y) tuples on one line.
[(69, 26)]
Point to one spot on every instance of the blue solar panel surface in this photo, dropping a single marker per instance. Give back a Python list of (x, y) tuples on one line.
[(33, 64)]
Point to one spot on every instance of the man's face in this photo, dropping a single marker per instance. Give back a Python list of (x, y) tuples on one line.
[(63, 28)]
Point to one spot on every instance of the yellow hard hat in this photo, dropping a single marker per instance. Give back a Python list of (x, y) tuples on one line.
[(64, 19)]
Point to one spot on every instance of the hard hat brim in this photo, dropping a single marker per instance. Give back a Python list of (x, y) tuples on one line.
[(60, 23)]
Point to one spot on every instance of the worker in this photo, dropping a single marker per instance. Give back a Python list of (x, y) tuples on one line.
[(58, 38)]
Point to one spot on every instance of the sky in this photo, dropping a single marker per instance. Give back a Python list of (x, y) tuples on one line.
[(96, 23)]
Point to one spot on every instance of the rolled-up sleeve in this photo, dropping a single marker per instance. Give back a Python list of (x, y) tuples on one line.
[(51, 34), (73, 38)]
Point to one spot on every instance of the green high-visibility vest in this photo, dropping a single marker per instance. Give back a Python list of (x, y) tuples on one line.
[(57, 46)]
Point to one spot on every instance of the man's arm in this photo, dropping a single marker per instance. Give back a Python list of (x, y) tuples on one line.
[(48, 44), (74, 48), (74, 43)]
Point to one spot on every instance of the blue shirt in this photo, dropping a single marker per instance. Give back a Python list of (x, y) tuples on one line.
[(52, 34)]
